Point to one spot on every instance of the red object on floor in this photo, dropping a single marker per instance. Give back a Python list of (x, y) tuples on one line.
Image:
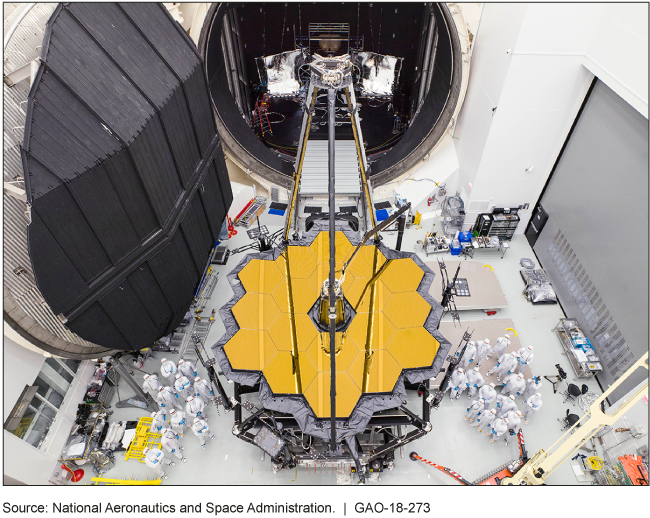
[(244, 209), (231, 228), (77, 474), (415, 457), (490, 313)]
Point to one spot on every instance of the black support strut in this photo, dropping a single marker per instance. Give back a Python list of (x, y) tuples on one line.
[(401, 225), (331, 99)]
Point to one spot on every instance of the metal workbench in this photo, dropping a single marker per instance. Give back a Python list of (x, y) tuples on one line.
[(567, 330), (483, 243)]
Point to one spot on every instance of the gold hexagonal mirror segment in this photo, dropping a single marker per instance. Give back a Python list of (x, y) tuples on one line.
[(278, 337)]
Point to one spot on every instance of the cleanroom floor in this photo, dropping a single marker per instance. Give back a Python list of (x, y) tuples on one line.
[(451, 443)]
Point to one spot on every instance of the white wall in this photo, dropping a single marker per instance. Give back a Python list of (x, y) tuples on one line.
[(538, 88), (618, 52), (489, 68), (22, 461)]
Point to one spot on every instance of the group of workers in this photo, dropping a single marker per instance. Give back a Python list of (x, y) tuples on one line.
[(170, 420), (506, 417)]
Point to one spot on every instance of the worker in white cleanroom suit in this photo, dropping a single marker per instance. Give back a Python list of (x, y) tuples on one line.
[(484, 421), (169, 441), (483, 350), (487, 393), (456, 382), (158, 423), (506, 364), (183, 387), (469, 356), (155, 458), (532, 405), (532, 386), (187, 369), (514, 384), (502, 344), (514, 418), (505, 403), (168, 370), (526, 357), (151, 385), (168, 399), (203, 389), (498, 427), (178, 421), (473, 381), (196, 407), (474, 409), (201, 430)]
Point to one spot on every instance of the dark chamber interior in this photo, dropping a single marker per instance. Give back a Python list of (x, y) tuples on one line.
[(235, 34), (376, 25)]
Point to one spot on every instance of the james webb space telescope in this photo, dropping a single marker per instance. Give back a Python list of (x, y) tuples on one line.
[(331, 329)]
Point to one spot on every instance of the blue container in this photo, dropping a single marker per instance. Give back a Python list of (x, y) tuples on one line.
[(455, 247), (465, 237), (382, 214)]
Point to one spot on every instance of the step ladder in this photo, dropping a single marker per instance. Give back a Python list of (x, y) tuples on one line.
[(200, 334), (207, 289), (261, 115), (196, 336)]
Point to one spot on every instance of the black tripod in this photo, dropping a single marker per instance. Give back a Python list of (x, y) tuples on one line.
[(555, 380)]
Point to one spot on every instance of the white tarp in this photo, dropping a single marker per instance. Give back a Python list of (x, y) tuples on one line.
[(279, 71), (379, 73)]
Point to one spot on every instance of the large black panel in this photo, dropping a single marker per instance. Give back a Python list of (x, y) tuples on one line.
[(197, 232), (146, 288), (56, 273), (213, 202), (100, 203), (59, 211), (124, 171), (92, 75), (174, 47), (95, 318), (125, 309), (66, 135), (200, 108), (175, 272), (154, 161), (135, 200), (129, 49), (220, 169), (176, 118)]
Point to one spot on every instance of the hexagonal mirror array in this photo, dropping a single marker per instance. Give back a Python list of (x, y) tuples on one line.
[(385, 336)]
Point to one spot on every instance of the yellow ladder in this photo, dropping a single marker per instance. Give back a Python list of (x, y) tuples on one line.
[(124, 482), (144, 438)]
